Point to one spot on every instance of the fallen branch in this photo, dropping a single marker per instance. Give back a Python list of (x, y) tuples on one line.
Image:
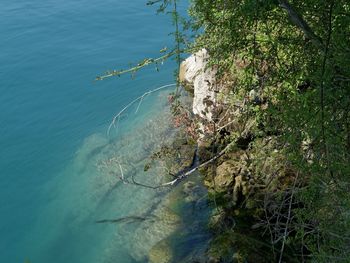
[(182, 175), (285, 234), (117, 117)]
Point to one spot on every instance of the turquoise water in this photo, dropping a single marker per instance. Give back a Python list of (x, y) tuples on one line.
[(57, 172)]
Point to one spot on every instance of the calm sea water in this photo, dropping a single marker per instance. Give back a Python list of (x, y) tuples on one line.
[(53, 120)]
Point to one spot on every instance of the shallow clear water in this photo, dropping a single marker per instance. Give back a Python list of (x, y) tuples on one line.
[(54, 173)]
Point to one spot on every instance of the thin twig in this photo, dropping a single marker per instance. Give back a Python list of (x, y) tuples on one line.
[(288, 219), (115, 118), (181, 176), (121, 172), (142, 64)]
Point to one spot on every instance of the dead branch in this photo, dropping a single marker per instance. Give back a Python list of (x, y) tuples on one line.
[(288, 219), (121, 171), (117, 116), (182, 175)]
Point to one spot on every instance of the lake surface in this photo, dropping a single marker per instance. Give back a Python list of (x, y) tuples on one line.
[(59, 171)]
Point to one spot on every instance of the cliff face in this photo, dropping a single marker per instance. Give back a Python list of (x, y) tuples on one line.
[(211, 103), (200, 80)]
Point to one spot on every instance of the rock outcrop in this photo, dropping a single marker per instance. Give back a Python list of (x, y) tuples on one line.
[(200, 80)]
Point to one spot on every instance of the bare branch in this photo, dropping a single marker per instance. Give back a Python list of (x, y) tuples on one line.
[(299, 21), (288, 219), (142, 64), (116, 117), (182, 175), (121, 172)]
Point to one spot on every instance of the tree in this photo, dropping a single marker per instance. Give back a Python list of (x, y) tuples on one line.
[(295, 55)]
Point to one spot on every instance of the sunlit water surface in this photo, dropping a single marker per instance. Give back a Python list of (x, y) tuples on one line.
[(59, 171)]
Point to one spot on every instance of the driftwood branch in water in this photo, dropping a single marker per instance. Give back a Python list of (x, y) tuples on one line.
[(182, 175), (299, 21)]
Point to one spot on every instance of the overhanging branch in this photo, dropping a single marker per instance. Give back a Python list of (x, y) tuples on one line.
[(299, 21)]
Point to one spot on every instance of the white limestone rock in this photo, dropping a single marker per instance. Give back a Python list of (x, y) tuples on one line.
[(194, 73)]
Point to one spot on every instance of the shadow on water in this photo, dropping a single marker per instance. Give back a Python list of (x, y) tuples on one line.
[(191, 240), (104, 220), (126, 219)]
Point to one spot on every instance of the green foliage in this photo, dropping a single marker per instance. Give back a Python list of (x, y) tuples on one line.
[(305, 87)]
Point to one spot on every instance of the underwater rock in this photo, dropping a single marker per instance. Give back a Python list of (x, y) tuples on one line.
[(188, 186), (192, 192), (151, 232), (161, 253)]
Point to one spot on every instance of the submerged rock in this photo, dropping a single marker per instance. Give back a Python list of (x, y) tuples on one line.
[(161, 252), (152, 232)]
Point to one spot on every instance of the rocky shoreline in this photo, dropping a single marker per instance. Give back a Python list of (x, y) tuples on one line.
[(216, 214), (237, 183)]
